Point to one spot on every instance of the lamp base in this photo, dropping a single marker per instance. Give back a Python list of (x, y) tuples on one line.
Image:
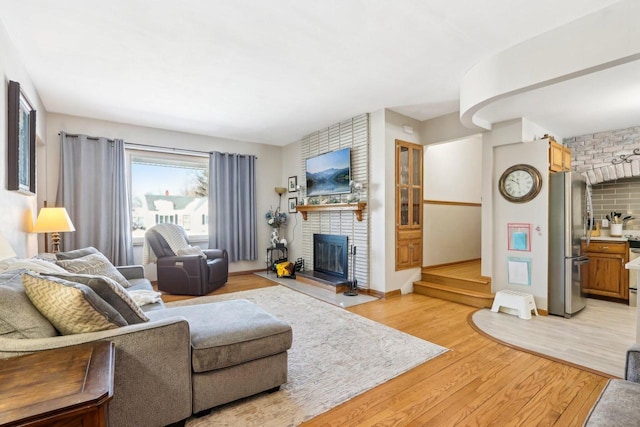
[(55, 242)]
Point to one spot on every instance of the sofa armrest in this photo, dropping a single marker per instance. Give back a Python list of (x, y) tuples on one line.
[(216, 253), (632, 369), (131, 271), (152, 359)]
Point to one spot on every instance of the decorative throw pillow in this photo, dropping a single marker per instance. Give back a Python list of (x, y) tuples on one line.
[(77, 253), (18, 316), (95, 264), (285, 269), (72, 308), (112, 293)]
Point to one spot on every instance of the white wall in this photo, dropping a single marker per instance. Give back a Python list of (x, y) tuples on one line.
[(444, 129), (291, 156), (452, 170), (268, 165), (378, 188), (17, 211), (452, 173), (534, 212)]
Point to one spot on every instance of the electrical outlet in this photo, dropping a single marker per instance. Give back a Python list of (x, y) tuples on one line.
[(605, 222)]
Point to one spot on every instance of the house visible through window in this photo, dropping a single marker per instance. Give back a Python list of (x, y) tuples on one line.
[(168, 188)]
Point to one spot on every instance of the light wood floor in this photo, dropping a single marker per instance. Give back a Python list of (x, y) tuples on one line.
[(597, 337), (479, 382)]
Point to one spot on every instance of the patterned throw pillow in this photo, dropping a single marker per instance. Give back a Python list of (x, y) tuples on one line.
[(72, 308), (95, 264), (18, 317), (112, 293)]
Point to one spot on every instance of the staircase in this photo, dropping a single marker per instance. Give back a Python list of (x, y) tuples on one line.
[(460, 282)]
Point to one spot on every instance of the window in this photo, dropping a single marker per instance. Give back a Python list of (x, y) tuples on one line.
[(168, 188)]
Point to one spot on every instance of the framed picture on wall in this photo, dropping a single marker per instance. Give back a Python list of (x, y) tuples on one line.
[(519, 237), (21, 144), (293, 184), (293, 202)]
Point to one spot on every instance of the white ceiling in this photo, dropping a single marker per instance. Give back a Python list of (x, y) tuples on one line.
[(272, 71)]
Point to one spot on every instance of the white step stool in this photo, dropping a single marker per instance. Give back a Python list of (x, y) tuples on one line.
[(513, 302)]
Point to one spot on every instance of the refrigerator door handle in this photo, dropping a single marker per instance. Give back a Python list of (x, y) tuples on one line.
[(581, 261)]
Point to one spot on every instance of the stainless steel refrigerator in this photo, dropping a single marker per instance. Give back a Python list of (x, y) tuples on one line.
[(567, 220)]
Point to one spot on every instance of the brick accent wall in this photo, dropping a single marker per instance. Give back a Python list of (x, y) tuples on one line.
[(592, 154)]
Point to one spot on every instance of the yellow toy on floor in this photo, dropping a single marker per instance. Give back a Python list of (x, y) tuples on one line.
[(285, 269)]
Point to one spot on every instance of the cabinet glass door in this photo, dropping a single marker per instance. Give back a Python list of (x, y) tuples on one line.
[(404, 166)]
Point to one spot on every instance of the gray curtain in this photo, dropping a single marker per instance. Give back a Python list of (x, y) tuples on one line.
[(232, 205), (93, 189)]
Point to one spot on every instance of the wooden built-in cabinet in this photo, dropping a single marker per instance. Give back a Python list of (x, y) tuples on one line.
[(409, 197), (605, 274), (559, 157)]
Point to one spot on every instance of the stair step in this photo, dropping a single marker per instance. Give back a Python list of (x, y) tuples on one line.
[(457, 282), (463, 296)]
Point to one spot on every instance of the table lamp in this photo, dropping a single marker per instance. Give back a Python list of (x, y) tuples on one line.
[(54, 221), (6, 251)]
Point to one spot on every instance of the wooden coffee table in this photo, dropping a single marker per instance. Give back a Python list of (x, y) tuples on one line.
[(68, 386)]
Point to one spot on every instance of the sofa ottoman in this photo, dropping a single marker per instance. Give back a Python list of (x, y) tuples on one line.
[(237, 350)]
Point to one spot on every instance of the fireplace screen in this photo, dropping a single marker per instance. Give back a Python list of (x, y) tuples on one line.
[(330, 255)]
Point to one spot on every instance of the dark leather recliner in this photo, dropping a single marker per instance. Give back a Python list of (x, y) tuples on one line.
[(188, 274)]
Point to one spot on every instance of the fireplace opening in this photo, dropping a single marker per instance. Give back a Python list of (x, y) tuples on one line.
[(330, 255)]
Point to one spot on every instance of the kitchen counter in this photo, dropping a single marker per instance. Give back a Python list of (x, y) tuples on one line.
[(607, 239)]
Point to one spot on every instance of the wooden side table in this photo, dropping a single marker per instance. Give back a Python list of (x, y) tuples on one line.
[(69, 386)]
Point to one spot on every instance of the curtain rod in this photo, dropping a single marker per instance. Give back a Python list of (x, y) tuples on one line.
[(154, 147), (75, 135)]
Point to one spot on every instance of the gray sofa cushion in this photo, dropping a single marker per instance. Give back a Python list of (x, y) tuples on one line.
[(18, 317), (96, 264), (228, 333), (617, 405), (71, 307), (113, 294)]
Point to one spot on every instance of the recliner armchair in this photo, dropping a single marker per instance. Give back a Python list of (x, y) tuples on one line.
[(187, 274)]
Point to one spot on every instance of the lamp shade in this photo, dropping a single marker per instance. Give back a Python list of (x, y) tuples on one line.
[(52, 220), (6, 251)]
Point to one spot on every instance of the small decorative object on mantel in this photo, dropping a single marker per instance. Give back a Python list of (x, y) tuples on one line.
[(549, 137)]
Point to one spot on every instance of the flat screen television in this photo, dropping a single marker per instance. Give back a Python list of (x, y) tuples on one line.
[(329, 173)]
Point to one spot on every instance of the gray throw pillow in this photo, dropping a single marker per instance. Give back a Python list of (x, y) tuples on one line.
[(71, 307), (77, 253), (18, 316), (96, 264), (113, 294)]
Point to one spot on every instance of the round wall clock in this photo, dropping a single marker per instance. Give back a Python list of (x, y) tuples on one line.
[(520, 183)]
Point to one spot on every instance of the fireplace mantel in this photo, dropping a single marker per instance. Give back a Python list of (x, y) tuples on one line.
[(357, 208)]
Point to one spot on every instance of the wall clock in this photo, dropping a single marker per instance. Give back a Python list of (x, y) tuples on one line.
[(520, 183)]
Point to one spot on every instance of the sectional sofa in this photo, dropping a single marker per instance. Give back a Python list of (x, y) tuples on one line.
[(180, 361)]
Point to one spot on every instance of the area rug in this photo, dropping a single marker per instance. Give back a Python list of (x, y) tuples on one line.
[(336, 355)]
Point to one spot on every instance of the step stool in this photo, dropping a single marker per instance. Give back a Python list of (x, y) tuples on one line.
[(513, 302)]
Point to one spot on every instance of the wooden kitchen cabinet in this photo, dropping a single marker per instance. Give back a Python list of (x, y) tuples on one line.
[(605, 273), (559, 157), (409, 201)]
